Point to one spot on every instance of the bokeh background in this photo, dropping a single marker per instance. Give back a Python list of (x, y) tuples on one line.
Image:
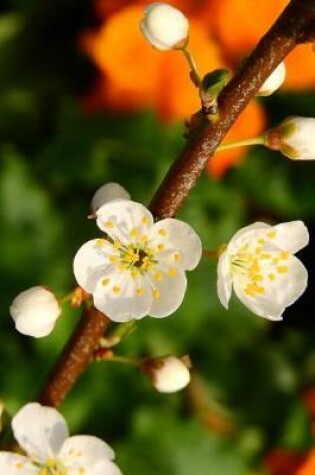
[(83, 101)]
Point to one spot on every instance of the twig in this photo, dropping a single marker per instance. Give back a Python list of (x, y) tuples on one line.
[(295, 25)]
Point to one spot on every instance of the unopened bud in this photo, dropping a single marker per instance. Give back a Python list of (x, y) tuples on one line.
[(165, 27), (35, 312), (168, 374), (294, 137), (274, 81), (106, 193)]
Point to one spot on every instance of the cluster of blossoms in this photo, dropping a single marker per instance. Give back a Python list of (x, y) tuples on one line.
[(43, 435)]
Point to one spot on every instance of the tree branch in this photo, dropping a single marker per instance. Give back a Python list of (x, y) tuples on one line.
[(295, 25)]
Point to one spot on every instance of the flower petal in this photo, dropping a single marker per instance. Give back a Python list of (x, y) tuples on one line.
[(120, 217), (123, 298), (39, 430), (280, 292), (14, 464), (291, 236), (168, 293), (179, 236), (85, 451), (108, 192), (224, 280), (91, 263), (105, 467), (247, 233)]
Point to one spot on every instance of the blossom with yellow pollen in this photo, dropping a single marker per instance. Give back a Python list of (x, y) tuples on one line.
[(259, 265), (138, 268), (43, 435)]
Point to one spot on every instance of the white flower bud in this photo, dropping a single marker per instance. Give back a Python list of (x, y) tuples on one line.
[(168, 374), (294, 137), (165, 27), (106, 193), (274, 81), (35, 312)]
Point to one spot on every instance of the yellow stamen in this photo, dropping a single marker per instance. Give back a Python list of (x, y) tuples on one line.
[(156, 293), (116, 289)]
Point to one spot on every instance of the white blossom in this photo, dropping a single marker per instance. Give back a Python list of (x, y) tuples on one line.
[(294, 137), (168, 374), (106, 193), (259, 265), (35, 312), (164, 26), (43, 435), (138, 268), (274, 81)]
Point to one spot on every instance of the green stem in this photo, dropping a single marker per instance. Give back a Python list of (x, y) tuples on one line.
[(193, 68), (124, 359), (260, 140)]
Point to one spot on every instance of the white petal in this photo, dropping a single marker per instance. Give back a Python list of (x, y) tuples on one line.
[(84, 450), (120, 217), (91, 263), (14, 464), (123, 298), (281, 292), (246, 233), (108, 192), (39, 430), (181, 237), (35, 311), (291, 236), (169, 294), (224, 280), (34, 321), (105, 467)]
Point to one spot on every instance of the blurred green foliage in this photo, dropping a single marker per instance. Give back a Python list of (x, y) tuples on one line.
[(53, 157)]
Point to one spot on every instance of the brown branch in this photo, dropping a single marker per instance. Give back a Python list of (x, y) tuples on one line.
[(295, 25), (75, 357)]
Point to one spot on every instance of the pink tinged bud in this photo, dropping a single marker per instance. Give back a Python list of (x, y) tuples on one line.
[(165, 27), (274, 81), (35, 312), (294, 137), (106, 193), (168, 374)]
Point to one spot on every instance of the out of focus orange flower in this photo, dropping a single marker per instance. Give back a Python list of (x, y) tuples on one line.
[(309, 467), (134, 76), (283, 462)]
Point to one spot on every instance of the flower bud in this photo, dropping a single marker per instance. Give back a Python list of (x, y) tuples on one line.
[(165, 27), (108, 192), (294, 137), (274, 81), (168, 374), (35, 312)]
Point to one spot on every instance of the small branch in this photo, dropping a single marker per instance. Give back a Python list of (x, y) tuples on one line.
[(75, 357), (295, 25)]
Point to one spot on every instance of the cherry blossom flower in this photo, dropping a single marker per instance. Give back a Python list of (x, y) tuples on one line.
[(294, 137), (168, 374), (35, 312), (43, 434), (138, 268), (259, 265), (165, 27)]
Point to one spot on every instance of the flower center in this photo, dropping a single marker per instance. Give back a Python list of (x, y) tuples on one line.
[(52, 467), (255, 266), (137, 258)]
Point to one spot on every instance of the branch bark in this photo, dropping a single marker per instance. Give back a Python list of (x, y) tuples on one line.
[(295, 25)]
